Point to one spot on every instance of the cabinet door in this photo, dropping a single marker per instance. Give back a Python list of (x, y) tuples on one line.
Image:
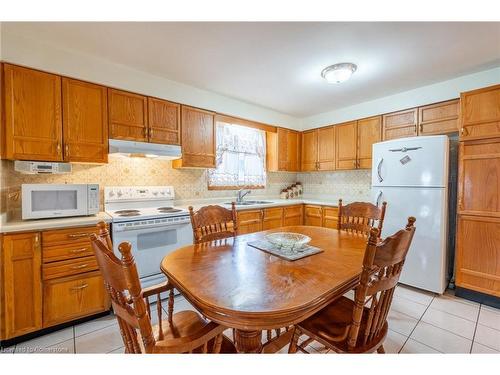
[(127, 116), (330, 217), (85, 119), (22, 284), (439, 118), (292, 215), (479, 177), (400, 124), (69, 298), (478, 254), (480, 113), (346, 141), (198, 139), (282, 150), (326, 149), (33, 114), (309, 150), (164, 122), (293, 151), (313, 215), (272, 218), (249, 221), (369, 132)]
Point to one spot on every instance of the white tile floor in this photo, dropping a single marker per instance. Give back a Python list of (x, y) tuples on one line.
[(419, 322)]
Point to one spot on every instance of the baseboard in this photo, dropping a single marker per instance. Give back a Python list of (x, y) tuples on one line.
[(483, 298)]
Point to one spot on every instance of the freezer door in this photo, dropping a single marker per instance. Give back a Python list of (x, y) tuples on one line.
[(425, 265), (416, 161)]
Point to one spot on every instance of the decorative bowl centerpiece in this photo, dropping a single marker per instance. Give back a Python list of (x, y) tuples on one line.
[(288, 240)]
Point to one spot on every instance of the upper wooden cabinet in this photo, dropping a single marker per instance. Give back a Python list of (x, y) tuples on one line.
[(326, 149), (309, 150), (33, 114), (128, 116), (21, 284), (346, 145), (164, 121), (369, 132), (439, 118), (400, 124), (198, 139), (283, 150), (480, 113), (85, 121)]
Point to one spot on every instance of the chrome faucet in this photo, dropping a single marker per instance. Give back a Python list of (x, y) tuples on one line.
[(241, 194)]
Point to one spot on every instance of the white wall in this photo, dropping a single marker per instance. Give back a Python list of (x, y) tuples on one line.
[(413, 98), (36, 54)]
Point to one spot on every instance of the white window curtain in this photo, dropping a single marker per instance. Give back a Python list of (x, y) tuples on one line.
[(240, 157)]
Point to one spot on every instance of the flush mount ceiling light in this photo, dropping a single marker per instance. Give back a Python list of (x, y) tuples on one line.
[(339, 72)]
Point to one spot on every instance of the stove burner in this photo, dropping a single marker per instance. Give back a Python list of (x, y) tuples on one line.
[(127, 212), (166, 210), (130, 214)]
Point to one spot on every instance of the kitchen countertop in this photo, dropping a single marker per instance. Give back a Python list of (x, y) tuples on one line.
[(20, 225)]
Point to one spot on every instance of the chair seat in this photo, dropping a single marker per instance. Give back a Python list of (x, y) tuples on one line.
[(189, 323), (333, 320)]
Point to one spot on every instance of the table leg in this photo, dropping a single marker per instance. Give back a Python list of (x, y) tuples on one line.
[(248, 341)]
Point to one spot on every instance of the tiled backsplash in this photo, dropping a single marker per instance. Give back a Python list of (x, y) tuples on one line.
[(188, 183), (349, 185)]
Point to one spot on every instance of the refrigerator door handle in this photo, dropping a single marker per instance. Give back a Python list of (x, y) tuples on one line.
[(379, 170), (379, 195)]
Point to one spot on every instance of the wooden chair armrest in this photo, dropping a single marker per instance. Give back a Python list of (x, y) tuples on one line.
[(155, 289), (188, 343)]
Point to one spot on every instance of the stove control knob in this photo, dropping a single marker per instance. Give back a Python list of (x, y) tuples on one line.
[(119, 193), (111, 193), (162, 193), (155, 193)]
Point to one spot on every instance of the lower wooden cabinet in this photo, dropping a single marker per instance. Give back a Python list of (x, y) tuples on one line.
[(272, 218), (48, 278), (249, 221), (73, 297), (292, 215), (313, 215), (21, 300), (330, 217), (478, 254)]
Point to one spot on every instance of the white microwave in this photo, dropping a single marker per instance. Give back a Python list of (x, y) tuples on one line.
[(41, 201)]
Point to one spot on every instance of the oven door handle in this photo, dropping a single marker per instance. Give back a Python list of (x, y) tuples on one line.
[(142, 227)]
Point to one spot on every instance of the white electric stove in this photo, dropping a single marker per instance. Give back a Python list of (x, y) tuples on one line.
[(146, 217)]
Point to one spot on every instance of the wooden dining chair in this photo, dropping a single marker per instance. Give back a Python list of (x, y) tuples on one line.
[(361, 217), (213, 223), (360, 326), (182, 332)]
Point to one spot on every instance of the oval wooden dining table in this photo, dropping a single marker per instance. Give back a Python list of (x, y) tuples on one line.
[(242, 287)]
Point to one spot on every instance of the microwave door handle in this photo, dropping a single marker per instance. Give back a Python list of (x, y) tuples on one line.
[(379, 195), (379, 170)]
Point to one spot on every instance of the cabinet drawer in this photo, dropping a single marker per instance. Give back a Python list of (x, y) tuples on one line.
[(69, 267), (73, 297), (66, 252), (67, 236), (292, 211), (273, 213)]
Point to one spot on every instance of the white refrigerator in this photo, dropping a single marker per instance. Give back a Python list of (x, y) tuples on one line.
[(411, 175)]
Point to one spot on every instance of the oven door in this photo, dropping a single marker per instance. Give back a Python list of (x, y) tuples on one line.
[(40, 201), (150, 245)]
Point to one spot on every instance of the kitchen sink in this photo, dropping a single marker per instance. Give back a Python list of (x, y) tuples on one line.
[(250, 203)]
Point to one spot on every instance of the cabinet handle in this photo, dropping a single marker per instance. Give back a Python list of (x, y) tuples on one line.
[(80, 287), (77, 235), (421, 128), (77, 251), (150, 132), (66, 150), (145, 132), (37, 241), (79, 267), (58, 148), (464, 131)]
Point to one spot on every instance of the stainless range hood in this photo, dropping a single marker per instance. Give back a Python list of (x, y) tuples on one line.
[(145, 149)]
